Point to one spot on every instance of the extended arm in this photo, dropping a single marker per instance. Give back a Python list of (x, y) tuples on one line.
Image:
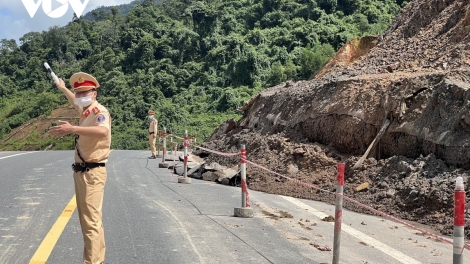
[(70, 96), (65, 128)]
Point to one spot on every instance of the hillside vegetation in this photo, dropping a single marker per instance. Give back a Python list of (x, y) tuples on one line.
[(194, 62)]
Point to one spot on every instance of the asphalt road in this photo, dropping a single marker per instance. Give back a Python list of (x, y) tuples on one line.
[(151, 218)]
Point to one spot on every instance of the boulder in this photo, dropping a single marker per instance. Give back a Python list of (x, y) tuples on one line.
[(210, 176), (363, 187)]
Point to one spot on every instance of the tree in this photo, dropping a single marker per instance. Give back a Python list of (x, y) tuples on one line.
[(7, 45), (277, 74), (290, 71), (328, 5), (7, 87), (362, 23), (313, 59)]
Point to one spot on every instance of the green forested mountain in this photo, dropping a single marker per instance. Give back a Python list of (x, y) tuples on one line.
[(194, 62), (124, 9)]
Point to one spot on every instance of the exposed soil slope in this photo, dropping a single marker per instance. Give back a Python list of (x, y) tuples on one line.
[(417, 77)]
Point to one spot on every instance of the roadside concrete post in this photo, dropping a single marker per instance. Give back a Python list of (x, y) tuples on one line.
[(338, 212), (185, 179), (459, 221), (163, 164), (244, 211)]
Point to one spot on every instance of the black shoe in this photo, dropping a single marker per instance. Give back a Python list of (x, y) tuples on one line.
[(152, 157)]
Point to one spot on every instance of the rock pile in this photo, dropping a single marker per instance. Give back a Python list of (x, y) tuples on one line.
[(417, 77)]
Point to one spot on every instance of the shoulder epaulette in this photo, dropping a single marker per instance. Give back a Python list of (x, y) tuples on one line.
[(95, 110)]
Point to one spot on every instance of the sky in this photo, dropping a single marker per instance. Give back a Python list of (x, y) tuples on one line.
[(15, 21)]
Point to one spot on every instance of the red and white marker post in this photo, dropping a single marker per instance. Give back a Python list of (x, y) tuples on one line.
[(158, 143), (164, 144), (172, 144), (185, 179), (459, 221), (338, 212), (244, 211), (163, 164)]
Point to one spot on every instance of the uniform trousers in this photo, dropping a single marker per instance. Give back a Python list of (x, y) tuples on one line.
[(152, 140), (89, 190)]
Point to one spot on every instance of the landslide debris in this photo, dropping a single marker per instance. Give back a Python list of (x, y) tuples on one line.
[(417, 76)]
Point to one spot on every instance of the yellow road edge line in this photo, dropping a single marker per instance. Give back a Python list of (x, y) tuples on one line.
[(47, 245)]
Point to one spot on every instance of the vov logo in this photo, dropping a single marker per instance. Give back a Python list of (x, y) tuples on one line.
[(77, 7)]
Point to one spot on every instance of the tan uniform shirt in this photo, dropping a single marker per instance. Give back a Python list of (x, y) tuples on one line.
[(94, 149), (153, 127)]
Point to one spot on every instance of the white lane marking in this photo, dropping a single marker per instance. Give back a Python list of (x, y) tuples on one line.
[(358, 234), (182, 229), (16, 155)]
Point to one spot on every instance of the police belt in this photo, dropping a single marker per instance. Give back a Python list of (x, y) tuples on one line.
[(82, 167)]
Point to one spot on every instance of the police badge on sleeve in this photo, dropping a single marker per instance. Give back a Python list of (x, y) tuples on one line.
[(100, 118)]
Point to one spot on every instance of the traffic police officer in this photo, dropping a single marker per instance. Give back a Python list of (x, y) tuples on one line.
[(92, 147), (153, 130)]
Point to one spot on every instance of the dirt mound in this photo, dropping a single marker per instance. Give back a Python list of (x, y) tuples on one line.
[(417, 77), (350, 52), (33, 134), (426, 35)]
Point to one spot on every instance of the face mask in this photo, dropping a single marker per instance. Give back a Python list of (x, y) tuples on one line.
[(151, 117), (84, 101)]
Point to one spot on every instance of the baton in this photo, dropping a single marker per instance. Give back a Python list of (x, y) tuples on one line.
[(52, 73)]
